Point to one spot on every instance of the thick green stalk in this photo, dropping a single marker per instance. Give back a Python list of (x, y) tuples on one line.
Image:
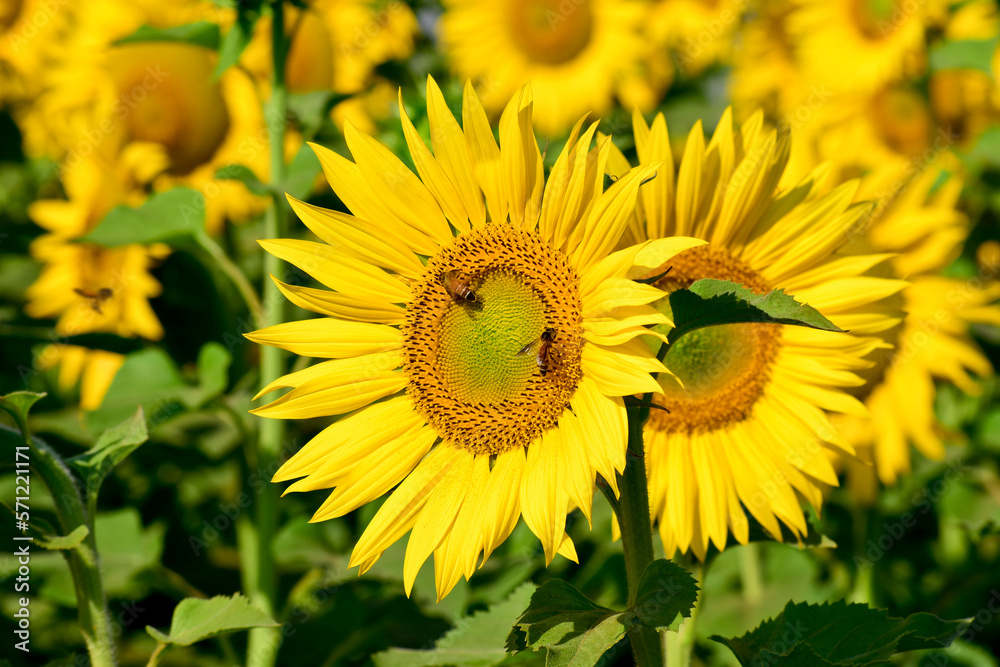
[(92, 604), (632, 509), (261, 580)]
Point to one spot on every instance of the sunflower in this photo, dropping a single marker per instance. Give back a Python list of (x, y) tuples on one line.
[(87, 288), (28, 28), (336, 45), (967, 101), (481, 356), (576, 54), (97, 91), (698, 33), (921, 226), (765, 70), (92, 369), (876, 42), (747, 429)]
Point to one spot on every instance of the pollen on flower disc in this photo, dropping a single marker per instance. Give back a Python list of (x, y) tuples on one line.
[(473, 366)]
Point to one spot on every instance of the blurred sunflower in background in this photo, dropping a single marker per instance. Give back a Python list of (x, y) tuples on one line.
[(485, 374), (577, 55), (867, 115), (967, 101), (923, 229), (336, 46), (694, 34), (747, 426), (98, 90), (876, 42), (87, 288), (27, 30)]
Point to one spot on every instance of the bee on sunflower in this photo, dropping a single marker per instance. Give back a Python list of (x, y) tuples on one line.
[(477, 410)]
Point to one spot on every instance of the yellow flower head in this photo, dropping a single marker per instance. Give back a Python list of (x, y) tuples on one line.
[(920, 224), (98, 92), (87, 288), (480, 335), (859, 45), (697, 33), (576, 54), (748, 428), (335, 44), (28, 28)]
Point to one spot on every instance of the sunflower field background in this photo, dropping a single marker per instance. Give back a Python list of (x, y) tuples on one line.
[(844, 151)]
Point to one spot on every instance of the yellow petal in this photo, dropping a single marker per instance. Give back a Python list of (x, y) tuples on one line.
[(361, 429), (438, 515), (387, 466), (327, 338), (617, 373), (452, 152), (602, 423), (340, 272), (400, 511), (609, 216), (484, 153), (356, 383), (543, 499), (350, 185), (396, 185), (503, 500), (341, 306), (356, 237), (433, 174)]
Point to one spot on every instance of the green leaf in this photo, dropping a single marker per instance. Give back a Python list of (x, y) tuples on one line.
[(245, 175), (111, 448), (974, 54), (128, 552), (237, 38), (667, 594), (475, 641), (18, 403), (178, 212), (312, 109), (710, 302), (202, 33), (302, 173), (574, 631), (844, 634), (213, 376), (79, 534), (195, 619)]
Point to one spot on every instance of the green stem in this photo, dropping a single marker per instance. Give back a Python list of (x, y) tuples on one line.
[(632, 509), (249, 295), (261, 580), (92, 604), (750, 575)]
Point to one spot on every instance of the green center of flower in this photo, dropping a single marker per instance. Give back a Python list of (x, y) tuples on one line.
[(551, 32), (724, 369), (10, 11), (486, 353), (167, 95)]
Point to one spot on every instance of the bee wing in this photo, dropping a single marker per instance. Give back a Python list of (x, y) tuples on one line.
[(527, 348)]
